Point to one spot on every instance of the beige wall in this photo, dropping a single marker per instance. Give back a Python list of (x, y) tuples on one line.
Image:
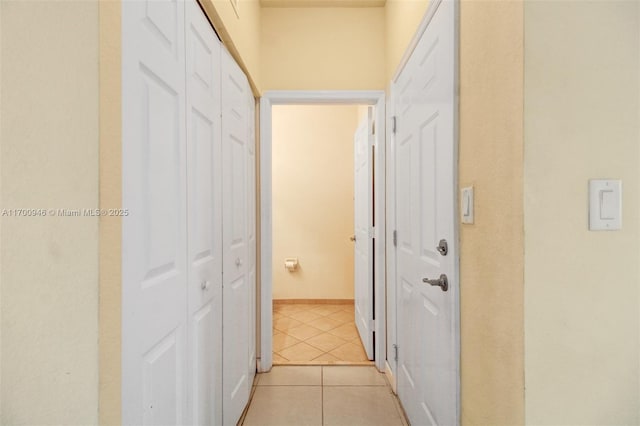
[(581, 121), (282, 47), (402, 18), (240, 33), (49, 264), (110, 228), (323, 49), (491, 250), (313, 200)]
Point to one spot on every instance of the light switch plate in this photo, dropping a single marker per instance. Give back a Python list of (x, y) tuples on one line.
[(605, 205), (466, 205)]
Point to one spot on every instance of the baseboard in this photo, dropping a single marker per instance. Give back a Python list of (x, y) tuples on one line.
[(392, 381), (390, 377), (313, 301), (259, 367)]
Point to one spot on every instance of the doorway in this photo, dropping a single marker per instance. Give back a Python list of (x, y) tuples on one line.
[(320, 257), (297, 302)]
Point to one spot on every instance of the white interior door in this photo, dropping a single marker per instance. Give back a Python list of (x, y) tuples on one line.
[(363, 223), (204, 176), (236, 291), (425, 201), (154, 234)]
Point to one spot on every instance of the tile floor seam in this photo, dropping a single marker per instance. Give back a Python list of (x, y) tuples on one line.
[(311, 386), (354, 385)]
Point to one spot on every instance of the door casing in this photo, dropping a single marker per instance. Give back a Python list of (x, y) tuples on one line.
[(270, 98)]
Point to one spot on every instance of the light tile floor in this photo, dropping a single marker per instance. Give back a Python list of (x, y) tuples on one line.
[(323, 395), (313, 334)]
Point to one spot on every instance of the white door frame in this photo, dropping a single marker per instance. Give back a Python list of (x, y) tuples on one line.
[(270, 98)]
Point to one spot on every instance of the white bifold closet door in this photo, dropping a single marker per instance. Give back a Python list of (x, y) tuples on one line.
[(154, 235), (204, 177), (238, 240), (189, 185)]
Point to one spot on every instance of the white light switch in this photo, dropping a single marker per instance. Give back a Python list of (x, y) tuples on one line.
[(466, 205), (605, 205)]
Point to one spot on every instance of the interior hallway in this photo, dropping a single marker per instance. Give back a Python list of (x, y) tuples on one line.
[(327, 395), (316, 333)]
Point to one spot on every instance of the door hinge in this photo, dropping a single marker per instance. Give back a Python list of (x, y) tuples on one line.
[(372, 325), (395, 238), (373, 127), (394, 124), (395, 355)]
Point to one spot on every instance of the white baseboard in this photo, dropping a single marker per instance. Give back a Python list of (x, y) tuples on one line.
[(391, 377), (259, 366)]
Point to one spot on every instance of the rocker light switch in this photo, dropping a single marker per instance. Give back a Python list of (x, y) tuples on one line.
[(466, 205), (605, 205)]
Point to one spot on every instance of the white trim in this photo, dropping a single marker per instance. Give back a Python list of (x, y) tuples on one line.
[(319, 97), (269, 99), (266, 239), (388, 371), (426, 19), (456, 199), (390, 202), (379, 267)]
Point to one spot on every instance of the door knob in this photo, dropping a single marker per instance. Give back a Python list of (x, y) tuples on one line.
[(238, 262), (352, 238), (441, 282), (204, 285)]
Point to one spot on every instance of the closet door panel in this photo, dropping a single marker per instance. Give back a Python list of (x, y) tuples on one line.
[(154, 234), (237, 291), (204, 175)]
